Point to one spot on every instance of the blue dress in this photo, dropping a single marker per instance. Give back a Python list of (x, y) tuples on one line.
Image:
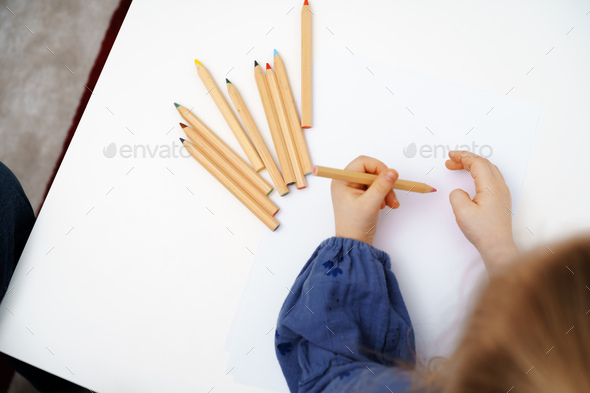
[(345, 323)]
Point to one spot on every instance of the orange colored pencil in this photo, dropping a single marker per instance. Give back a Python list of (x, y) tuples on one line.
[(306, 65)]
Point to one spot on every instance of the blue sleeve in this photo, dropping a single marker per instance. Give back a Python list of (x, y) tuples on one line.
[(345, 323)]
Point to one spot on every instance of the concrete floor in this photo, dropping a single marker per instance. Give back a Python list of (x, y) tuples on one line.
[(46, 52)]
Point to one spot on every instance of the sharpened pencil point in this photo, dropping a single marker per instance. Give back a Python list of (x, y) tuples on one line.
[(275, 53), (176, 105), (181, 140), (255, 64), (183, 125), (306, 2), (433, 189), (268, 66), (198, 62), (227, 81)]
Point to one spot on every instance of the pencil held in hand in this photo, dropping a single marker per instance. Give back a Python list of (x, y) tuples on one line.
[(368, 178)]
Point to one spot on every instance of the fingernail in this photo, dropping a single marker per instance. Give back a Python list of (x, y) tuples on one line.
[(390, 175)]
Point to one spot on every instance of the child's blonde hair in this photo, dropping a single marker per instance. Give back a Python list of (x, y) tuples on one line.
[(529, 331)]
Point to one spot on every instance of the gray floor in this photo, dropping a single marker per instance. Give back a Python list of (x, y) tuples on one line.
[(46, 52)]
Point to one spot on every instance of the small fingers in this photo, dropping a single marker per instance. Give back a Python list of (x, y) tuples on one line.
[(366, 164), (480, 168), (391, 199)]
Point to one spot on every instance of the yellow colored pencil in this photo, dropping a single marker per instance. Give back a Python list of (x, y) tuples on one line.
[(231, 186), (368, 178), (273, 125), (263, 151), (306, 65), (224, 149), (291, 108), (229, 116), (275, 93)]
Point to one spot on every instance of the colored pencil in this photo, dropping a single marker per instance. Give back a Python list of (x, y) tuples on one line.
[(275, 93), (291, 108), (224, 149), (267, 159), (273, 124), (306, 65), (231, 186), (220, 162), (368, 178), (229, 116)]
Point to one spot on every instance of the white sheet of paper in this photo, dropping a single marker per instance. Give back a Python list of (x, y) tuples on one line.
[(363, 107)]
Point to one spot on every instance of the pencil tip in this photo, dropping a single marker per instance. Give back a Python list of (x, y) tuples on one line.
[(183, 125), (306, 2), (275, 53), (314, 170), (227, 81), (433, 189), (268, 66), (255, 64), (176, 105), (181, 140), (198, 62)]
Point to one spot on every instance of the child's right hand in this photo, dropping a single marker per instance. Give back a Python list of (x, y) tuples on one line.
[(486, 221)]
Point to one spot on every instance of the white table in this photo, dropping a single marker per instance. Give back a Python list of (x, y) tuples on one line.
[(134, 269)]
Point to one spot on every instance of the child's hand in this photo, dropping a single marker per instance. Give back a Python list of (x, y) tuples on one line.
[(487, 220), (356, 206)]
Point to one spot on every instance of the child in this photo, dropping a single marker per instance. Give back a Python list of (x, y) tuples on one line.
[(345, 327)]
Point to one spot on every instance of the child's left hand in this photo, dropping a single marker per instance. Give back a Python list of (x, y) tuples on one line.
[(356, 206)]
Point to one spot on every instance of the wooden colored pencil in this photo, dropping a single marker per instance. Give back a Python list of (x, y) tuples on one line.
[(273, 124), (292, 114), (224, 149), (220, 162), (231, 186), (229, 116), (275, 93), (267, 159), (306, 65), (368, 178)]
